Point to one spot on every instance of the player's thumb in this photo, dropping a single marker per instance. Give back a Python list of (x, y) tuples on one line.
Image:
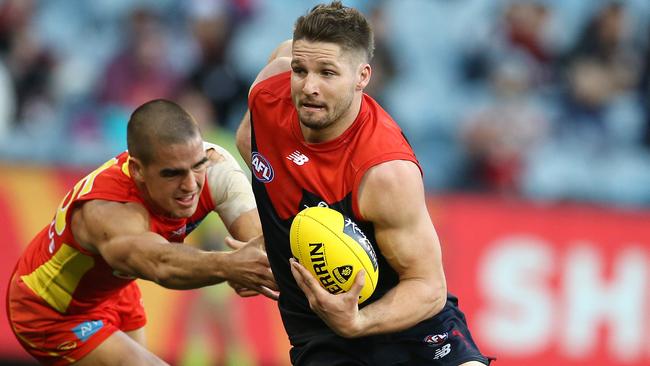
[(359, 281)]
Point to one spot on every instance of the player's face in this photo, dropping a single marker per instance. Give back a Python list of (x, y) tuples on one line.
[(175, 177), (324, 82)]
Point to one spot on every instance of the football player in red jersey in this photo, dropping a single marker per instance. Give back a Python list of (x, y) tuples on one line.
[(313, 138), (72, 298)]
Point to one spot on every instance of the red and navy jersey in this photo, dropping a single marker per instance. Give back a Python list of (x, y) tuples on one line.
[(291, 174), (67, 277)]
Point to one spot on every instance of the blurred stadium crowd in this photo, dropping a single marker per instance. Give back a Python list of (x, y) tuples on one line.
[(545, 99)]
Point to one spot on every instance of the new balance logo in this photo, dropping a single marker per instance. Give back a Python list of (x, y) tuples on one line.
[(442, 352), (298, 158)]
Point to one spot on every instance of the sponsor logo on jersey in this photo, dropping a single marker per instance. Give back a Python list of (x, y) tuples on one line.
[(442, 351), (84, 330), (298, 158), (262, 169), (434, 340)]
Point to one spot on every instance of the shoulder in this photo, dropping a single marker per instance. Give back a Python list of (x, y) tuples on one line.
[(379, 131), (217, 154), (392, 174), (270, 101), (226, 177), (228, 185), (276, 67), (388, 186), (379, 138), (111, 182), (380, 147), (97, 221), (222, 166), (271, 93), (103, 212)]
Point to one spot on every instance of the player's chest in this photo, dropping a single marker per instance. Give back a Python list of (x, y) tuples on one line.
[(292, 175)]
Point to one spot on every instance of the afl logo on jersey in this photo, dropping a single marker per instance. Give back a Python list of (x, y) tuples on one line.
[(434, 340), (262, 170)]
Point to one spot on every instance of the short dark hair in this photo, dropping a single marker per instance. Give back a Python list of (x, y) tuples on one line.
[(336, 23), (158, 122)]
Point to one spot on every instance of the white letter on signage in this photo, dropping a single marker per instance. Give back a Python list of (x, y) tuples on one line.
[(593, 300), (513, 277)]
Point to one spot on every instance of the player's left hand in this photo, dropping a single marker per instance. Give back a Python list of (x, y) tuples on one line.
[(241, 289), (340, 312)]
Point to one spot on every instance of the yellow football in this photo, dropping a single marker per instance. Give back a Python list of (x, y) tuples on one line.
[(333, 248)]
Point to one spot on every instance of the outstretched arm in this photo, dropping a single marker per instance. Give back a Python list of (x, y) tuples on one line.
[(391, 196), (120, 233)]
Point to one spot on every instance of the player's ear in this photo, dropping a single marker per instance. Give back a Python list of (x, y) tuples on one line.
[(363, 76), (136, 169)]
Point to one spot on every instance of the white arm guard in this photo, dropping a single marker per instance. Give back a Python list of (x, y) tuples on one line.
[(231, 191)]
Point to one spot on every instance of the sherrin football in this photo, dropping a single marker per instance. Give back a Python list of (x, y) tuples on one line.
[(333, 248)]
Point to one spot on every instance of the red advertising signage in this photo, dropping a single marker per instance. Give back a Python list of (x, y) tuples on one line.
[(550, 285), (540, 284)]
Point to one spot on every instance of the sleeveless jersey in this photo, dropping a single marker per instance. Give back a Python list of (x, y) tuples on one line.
[(291, 174), (68, 277)]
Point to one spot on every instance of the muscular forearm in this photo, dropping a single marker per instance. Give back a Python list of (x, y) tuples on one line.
[(175, 265), (246, 227), (188, 268), (179, 266), (130, 250), (408, 303)]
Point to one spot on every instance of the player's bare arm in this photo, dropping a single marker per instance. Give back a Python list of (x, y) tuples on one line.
[(282, 50), (243, 138), (120, 233), (235, 203), (232, 194), (392, 197), (279, 61)]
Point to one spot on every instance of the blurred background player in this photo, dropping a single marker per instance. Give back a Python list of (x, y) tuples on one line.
[(72, 298)]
